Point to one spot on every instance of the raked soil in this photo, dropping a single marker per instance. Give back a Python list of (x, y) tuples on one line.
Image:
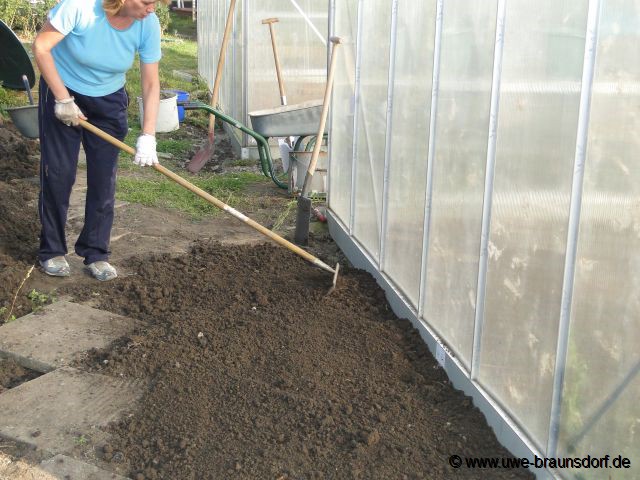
[(254, 371)]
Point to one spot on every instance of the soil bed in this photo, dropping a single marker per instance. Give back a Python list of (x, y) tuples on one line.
[(19, 225), (254, 372), (19, 157)]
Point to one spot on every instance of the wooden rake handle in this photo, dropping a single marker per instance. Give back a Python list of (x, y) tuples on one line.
[(270, 22), (213, 200), (323, 118), (223, 54)]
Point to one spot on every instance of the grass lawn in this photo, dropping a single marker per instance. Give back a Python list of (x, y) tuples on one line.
[(158, 192)]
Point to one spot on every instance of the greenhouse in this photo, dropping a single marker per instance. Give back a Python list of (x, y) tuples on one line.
[(482, 167)]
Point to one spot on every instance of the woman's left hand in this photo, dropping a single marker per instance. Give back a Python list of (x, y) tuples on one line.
[(146, 150)]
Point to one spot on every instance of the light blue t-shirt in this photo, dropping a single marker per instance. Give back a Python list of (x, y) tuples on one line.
[(94, 57)]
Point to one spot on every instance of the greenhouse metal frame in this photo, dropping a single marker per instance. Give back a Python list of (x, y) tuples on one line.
[(483, 167)]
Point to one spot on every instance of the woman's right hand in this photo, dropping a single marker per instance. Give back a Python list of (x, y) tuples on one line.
[(68, 112)]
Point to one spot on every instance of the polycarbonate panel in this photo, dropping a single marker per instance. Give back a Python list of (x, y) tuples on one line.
[(536, 137), (212, 18), (225, 100), (343, 110), (207, 20), (372, 121), (236, 91), (231, 83), (462, 124), (211, 21), (602, 386), (301, 49), (411, 113)]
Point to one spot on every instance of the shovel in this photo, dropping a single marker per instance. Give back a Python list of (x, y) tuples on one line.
[(203, 155), (221, 205), (301, 235)]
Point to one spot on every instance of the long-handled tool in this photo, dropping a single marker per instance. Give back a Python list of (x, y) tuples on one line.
[(272, 33), (284, 144), (221, 205), (301, 236), (205, 153), (27, 87)]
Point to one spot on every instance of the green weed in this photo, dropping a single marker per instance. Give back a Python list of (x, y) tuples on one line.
[(284, 215), (39, 299), (3, 312)]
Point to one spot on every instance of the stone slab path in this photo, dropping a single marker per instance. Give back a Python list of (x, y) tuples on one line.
[(58, 334), (59, 410), (65, 408)]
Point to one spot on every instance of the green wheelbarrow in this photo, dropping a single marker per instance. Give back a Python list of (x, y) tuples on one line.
[(287, 121), (300, 121)]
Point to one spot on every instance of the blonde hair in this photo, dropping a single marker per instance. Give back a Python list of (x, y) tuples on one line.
[(112, 7)]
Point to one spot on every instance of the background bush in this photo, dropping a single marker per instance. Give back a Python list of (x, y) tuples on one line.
[(23, 16), (162, 11), (27, 18)]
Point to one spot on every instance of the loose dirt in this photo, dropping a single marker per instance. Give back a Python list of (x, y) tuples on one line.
[(19, 157), (12, 374), (253, 370), (19, 225)]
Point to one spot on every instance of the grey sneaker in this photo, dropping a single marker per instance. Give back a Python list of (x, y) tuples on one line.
[(56, 267), (102, 271)]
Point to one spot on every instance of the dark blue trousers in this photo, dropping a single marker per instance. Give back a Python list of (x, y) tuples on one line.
[(60, 146)]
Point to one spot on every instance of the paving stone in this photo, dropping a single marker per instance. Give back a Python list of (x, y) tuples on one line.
[(18, 469), (59, 333), (57, 411), (67, 468)]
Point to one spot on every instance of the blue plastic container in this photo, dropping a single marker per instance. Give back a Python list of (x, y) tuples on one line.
[(182, 97)]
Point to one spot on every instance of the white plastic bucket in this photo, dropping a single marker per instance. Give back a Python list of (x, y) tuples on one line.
[(299, 163), (167, 120)]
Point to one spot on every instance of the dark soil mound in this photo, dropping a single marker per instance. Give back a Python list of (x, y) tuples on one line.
[(19, 156), (19, 224), (256, 373)]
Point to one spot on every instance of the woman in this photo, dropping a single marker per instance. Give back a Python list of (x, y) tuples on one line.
[(83, 52)]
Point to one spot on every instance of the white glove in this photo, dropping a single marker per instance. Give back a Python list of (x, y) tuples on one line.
[(146, 150), (68, 112)]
